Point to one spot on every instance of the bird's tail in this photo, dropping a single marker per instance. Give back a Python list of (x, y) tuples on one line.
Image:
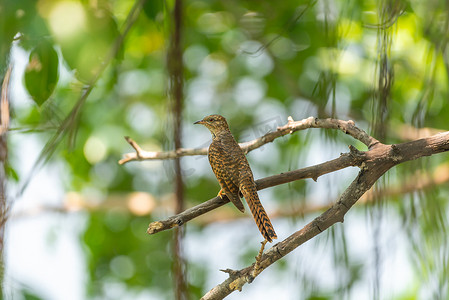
[(249, 191)]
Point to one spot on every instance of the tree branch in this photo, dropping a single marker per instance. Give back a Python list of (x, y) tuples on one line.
[(377, 161), (354, 158), (347, 127)]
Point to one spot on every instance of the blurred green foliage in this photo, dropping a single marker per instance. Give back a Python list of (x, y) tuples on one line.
[(254, 62), (41, 74)]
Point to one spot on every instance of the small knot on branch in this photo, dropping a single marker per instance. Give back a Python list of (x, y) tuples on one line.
[(396, 153)]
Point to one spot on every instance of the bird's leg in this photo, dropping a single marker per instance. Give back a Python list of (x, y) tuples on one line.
[(221, 193), (257, 268)]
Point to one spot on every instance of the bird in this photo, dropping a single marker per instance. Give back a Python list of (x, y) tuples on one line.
[(233, 172)]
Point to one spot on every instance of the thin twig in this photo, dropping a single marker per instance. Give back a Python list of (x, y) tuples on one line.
[(292, 126), (257, 268)]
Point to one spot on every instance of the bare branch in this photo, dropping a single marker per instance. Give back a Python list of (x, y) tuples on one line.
[(150, 155), (377, 161), (354, 158), (347, 127)]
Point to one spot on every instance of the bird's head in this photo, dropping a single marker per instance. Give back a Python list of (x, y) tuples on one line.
[(215, 123)]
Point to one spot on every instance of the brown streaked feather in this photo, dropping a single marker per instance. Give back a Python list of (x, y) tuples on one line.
[(223, 172), (249, 191), (233, 172)]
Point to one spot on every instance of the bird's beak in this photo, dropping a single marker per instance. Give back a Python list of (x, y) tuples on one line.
[(199, 122)]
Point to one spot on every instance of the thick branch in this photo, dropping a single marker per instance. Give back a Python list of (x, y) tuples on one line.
[(354, 158), (377, 161), (347, 127)]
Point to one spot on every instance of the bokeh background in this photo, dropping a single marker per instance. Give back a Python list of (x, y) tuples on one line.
[(87, 73)]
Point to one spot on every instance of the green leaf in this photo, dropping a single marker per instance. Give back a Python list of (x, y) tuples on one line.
[(11, 173), (41, 73)]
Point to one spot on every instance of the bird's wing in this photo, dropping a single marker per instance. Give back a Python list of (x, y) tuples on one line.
[(226, 173)]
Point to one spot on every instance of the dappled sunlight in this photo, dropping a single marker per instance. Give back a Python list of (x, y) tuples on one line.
[(67, 19), (94, 150), (141, 204)]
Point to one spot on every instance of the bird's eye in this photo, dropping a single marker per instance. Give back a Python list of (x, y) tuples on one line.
[(211, 119)]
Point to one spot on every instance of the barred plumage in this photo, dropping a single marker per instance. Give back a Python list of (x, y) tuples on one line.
[(248, 188), (233, 172)]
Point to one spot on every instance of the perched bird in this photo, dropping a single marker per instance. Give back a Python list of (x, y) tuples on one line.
[(233, 172)]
